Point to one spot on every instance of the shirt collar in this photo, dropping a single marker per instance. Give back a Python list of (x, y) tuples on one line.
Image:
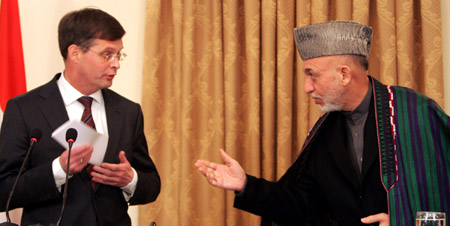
[(363, 107), (70, 94)]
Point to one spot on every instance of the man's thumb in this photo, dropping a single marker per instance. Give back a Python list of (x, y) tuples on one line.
[(122, 157)]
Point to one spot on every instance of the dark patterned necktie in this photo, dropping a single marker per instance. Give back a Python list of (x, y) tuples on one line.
[(87, 113), (87, 118)]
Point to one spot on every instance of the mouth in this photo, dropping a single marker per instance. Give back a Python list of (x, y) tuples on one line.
[(317, 100), (110, 77)]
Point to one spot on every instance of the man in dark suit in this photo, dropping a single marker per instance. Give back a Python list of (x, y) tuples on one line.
[(90, 42), (362, 162)]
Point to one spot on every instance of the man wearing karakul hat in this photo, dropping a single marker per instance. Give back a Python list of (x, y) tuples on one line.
[(378, 154)]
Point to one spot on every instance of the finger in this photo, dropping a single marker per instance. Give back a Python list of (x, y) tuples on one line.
[(208, 164), (200, 166), (198, 163), (118, 179), (201, 163), (381, 217), (108, 182), (367, 220), (100, 170), (101, 178), (104, 176), (81, 158), (86, 158), (226, 158), (83, 151), (122, 157), (210, 176), (110, 166)]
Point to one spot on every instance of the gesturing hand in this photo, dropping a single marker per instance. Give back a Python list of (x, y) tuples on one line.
[(118, 175), (382, 218), (230, 176)]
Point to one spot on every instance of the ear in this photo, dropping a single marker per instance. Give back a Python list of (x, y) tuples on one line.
[(73, 52), (346, 74)]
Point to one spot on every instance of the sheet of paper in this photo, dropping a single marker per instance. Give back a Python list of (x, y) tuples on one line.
[(86, 135)]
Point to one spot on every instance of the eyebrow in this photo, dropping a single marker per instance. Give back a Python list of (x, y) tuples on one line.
[(110, 49)]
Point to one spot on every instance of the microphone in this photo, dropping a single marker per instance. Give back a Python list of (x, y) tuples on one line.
[(36, 134), (71, 136)]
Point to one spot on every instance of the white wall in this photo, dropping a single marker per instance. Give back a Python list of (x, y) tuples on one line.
[(39, 22)]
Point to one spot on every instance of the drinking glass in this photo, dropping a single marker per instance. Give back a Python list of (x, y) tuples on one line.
[(426, 218)]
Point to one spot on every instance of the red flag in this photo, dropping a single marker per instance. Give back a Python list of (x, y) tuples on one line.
[(12, 69)]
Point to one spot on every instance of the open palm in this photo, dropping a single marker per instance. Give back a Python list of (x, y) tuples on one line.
[(229, 176)]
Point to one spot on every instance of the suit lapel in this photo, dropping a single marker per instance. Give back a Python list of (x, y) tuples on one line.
[(339, 152), (114, 118), (52, 106)]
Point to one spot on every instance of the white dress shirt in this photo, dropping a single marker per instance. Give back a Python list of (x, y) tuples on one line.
[(75, 110)]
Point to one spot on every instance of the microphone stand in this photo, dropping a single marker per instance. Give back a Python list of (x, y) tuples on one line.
[(37, 134), (71, 136), (66, 184)]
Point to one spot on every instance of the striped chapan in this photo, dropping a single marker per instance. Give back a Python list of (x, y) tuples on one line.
[(414, 145), (413, 135)]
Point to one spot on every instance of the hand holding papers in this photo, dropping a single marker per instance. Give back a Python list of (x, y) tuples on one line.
[(86, 135)]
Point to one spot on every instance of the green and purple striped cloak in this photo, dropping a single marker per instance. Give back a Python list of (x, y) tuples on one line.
[(414, 146)]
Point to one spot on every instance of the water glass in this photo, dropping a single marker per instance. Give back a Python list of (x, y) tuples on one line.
[(426, 218)]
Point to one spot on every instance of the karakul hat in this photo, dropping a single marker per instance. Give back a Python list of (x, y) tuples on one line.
[(333, 38)]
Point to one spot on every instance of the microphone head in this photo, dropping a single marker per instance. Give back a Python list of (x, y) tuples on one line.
[(71, 135), (36, 135)]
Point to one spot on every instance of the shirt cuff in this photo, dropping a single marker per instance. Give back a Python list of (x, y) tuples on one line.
[(58, 174), (239, 193), (128, 191)]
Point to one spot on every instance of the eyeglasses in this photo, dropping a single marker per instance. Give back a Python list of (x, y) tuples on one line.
[(107, 57)]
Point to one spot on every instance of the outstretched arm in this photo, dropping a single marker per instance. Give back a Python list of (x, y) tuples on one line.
[(228, 176)]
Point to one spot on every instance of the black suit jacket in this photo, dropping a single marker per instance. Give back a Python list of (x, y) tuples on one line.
[(327, 184), (36, 191)]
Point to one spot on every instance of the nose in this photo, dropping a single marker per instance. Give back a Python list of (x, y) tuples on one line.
[(309, 87), (115, 63)]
